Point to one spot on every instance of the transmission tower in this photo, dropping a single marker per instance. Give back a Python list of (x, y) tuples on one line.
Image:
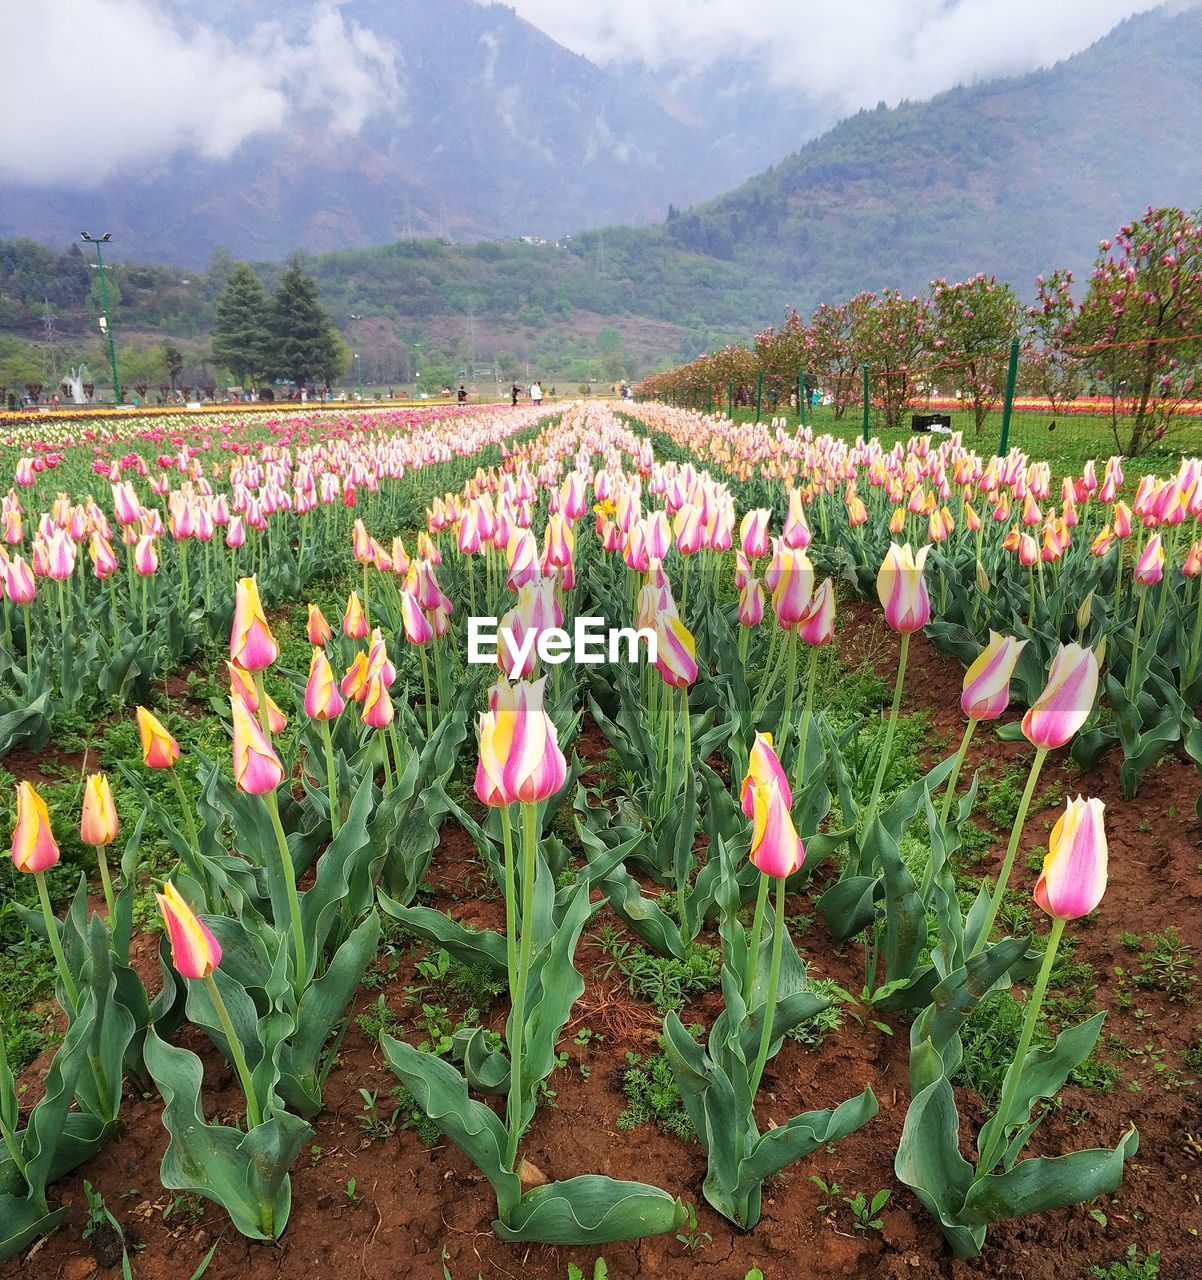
[(51, 356)]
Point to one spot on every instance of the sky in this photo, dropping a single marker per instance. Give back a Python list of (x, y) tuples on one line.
[(102, 84)]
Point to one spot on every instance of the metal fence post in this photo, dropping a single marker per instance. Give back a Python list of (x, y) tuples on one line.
[(864, 371), (1008, 402)]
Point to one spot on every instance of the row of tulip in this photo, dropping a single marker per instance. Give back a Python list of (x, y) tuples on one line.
[(101, 601), (267, 969)]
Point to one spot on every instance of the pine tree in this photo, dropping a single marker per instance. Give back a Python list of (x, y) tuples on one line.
[(305, 347), (242, 339)]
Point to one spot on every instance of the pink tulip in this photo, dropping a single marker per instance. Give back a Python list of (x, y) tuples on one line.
[(902, 590), (1068, 698), (1073, 878), (986, 690)]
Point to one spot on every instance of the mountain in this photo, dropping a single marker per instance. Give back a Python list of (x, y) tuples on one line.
[(497, 131), (1011, 177)]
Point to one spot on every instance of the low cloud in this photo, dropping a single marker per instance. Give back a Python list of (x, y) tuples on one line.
[(846, 54), (94, 86)]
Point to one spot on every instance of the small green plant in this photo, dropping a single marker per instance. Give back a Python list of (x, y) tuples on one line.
[(1130, 1267), (105, 1232), (864, 1211), (377, 1019), (411, 1116), (1130, 941), (830, 1191), (665, 981), (600, 1271), (652, 1097), (372, 1121), (350, 1189), (814, 1030), (689, 1236), (1168, 965)]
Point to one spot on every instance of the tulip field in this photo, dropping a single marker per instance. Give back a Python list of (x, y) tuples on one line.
[(549, 842)]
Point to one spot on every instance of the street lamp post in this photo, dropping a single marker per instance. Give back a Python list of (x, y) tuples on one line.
[(417, 373), (104, 304), (356, 317)]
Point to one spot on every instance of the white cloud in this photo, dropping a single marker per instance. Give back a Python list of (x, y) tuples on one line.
[(103, 84), (846, 53)]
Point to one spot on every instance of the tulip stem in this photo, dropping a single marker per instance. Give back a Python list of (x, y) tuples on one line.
[(56, 945), (805, 720), (790, 686), (421, 653), (1133, 672), (189, 822), (254, 1117), (778, 942), (992, 1153), (511, 924), (105, 881), (331, 777), (753, 947), (264, 719), (954, 776), (887, 749), (289, 871), (669, 748), (518, 1012), (999, 890)]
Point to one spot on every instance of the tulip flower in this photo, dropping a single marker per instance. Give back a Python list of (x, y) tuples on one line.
[(1066, 701), (196, 953), (1149, 568), (257, 768), (985, 695), (252, 646), (520, 759), (792, 587), (1073, 878), (319, 630), (323, 703), (377, 705), (776, 848), (763, 770), (159, 749), (98, 827), (35, 851), (675, 651), (354, 620), (753, 533), (902, 590)]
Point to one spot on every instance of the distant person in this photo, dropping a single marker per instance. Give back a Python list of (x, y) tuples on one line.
[(461, 396), (513, 395), (536, 393)]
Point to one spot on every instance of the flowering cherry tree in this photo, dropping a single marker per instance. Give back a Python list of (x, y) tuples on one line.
[(971, 325)]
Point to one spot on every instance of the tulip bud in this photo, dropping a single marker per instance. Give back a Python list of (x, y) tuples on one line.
[(1073, 878), (33, 844), (983, 584), (194, 951), (675, 651), (98, 822), (159, 749), (1085, 612), (816, 626), (1064, 705)]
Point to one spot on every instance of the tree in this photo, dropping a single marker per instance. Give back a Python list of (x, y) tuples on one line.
[(971, 325), (888, 334), (1049, 368), (1137, 327), (830, 357), (242, 339), (174, 360), (304, 346)]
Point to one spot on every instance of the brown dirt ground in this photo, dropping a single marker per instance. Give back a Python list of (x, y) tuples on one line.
[(414, 1203)]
